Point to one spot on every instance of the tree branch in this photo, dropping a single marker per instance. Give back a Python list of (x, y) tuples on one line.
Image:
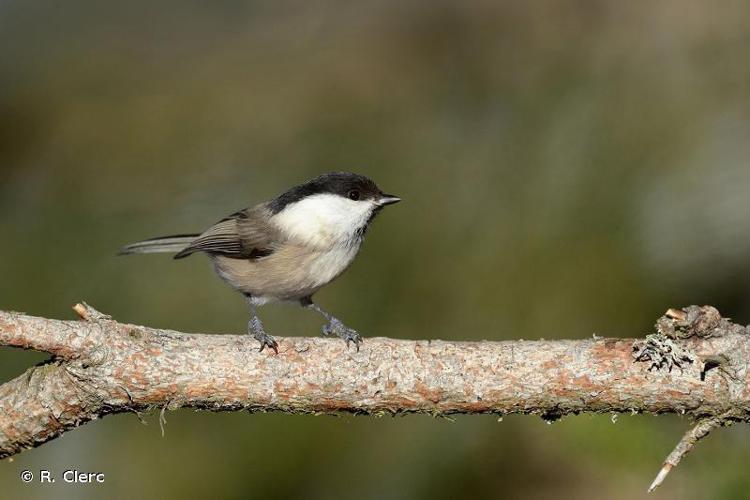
[(695, 364), (701, 430)]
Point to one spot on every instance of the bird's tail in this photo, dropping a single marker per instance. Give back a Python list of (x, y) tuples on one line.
[(164, 244)]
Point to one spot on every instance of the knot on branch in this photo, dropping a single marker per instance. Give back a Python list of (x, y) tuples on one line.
[(667, 348), (691, 321)]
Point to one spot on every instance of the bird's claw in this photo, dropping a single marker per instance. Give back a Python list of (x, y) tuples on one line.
[(267, 341), (337, 328), (256, 330)]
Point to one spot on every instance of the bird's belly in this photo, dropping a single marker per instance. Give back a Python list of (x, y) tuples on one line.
[(288, 274)]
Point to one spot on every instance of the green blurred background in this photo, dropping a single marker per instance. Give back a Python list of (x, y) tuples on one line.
[(568, 168)]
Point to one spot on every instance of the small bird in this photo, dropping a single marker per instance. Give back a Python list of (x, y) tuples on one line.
[(287, 248)]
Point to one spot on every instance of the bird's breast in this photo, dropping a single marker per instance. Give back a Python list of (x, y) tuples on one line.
[(329, 264)]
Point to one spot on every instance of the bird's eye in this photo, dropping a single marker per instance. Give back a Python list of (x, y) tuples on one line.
[(353, 194)]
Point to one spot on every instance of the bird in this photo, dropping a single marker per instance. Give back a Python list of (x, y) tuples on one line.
[(287, 248)]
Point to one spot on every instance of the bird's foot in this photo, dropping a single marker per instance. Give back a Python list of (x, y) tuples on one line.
[(255, 328), (337, 328)]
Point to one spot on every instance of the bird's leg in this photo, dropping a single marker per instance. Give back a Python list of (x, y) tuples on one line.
[(334, 326), (255, 328)]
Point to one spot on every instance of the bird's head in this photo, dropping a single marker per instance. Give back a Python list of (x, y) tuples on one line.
[(330, 209)]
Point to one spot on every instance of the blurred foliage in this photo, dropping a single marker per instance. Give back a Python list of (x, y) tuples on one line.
[(568, 168)]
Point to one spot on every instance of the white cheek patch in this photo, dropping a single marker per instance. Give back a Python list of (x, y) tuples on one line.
[(324, 219)]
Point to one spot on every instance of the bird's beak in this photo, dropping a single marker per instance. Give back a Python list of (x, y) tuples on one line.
[(388, 199)]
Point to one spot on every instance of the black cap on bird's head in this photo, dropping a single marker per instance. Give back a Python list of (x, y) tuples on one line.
[(352, 186)]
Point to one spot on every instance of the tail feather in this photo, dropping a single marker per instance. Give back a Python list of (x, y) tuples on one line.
[(164, 244)]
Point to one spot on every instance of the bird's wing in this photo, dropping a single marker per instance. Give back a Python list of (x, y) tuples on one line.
[(243, 235)]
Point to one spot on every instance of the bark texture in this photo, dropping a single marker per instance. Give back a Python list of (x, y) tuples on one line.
[(695, 363)]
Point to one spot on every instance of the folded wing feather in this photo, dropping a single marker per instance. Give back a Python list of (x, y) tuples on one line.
[(243, 235)]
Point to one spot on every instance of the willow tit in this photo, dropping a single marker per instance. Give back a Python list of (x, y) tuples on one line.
[(287, 248)]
